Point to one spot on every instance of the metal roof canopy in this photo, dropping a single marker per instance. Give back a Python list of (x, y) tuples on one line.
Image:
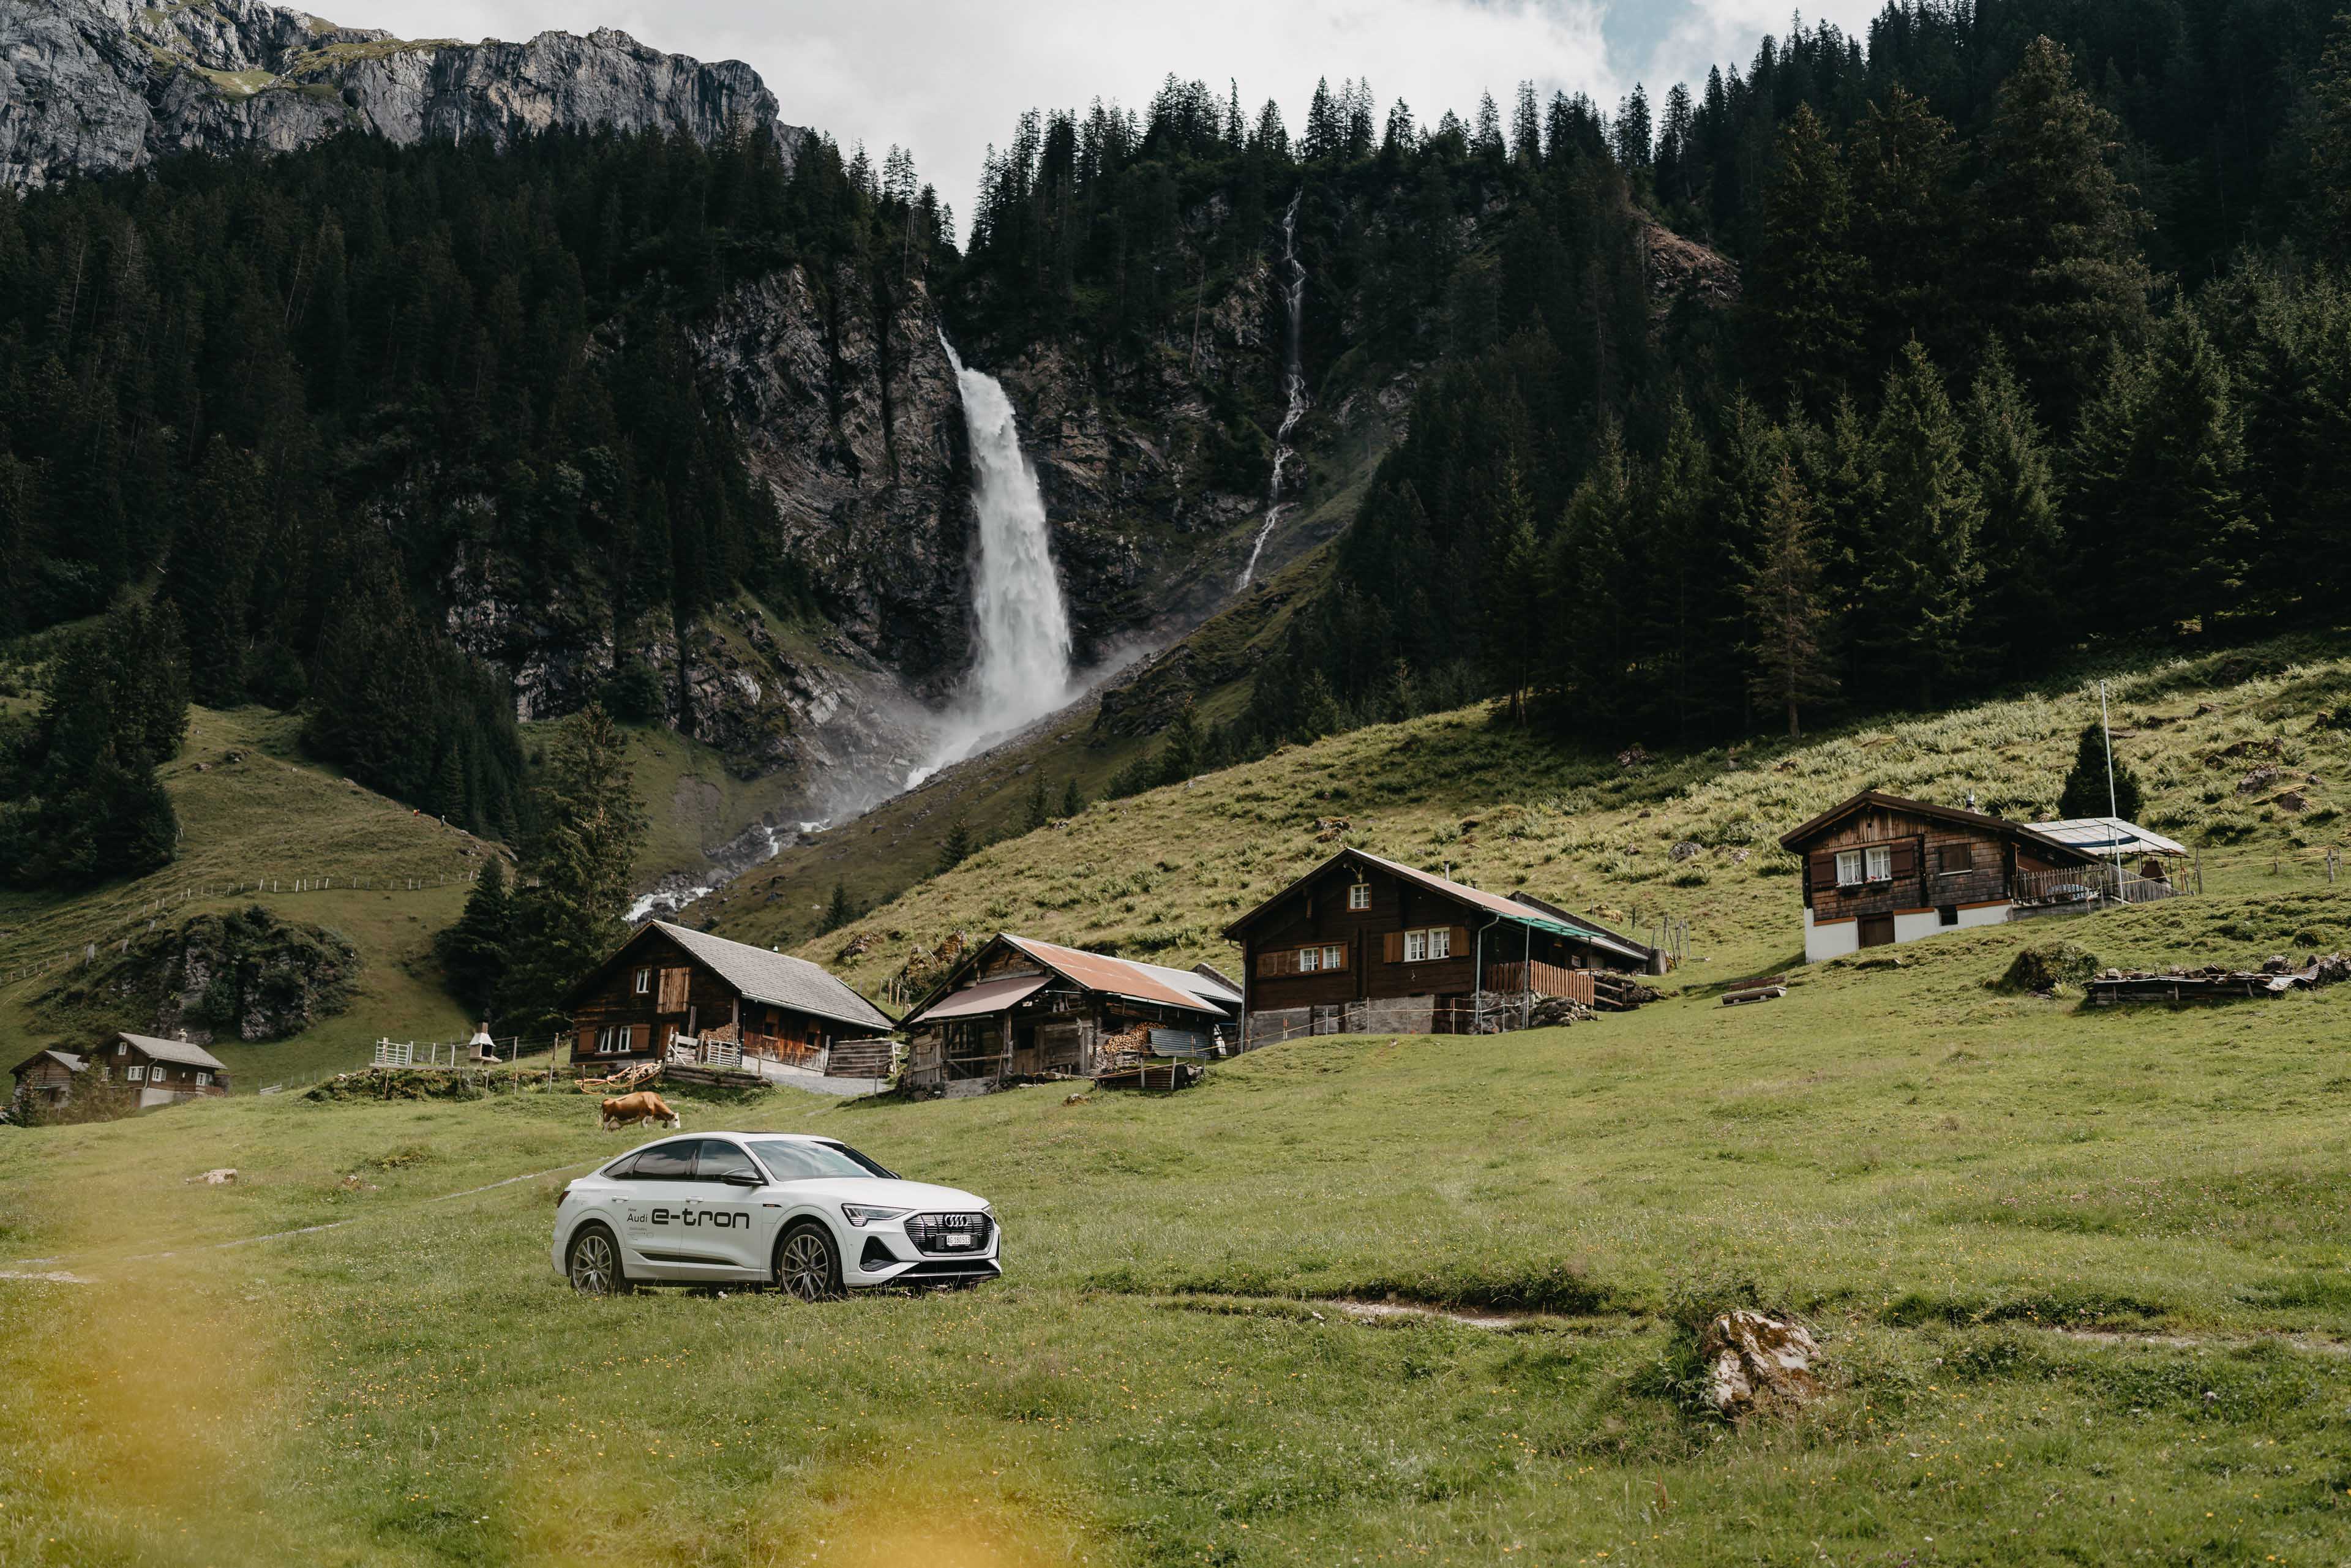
[(2107, 835), (987, 997)]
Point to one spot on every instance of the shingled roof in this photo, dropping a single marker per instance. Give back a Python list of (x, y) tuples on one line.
[(1185, 989), (179, 1051), (777, 978)]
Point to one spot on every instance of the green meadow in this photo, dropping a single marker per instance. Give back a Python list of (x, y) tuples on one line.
[(2079, 1278)]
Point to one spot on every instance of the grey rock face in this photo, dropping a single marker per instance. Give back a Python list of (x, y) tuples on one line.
[(97, 87)]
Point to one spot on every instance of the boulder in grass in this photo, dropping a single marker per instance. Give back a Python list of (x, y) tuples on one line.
[(1755, 1361), (2048, 965)]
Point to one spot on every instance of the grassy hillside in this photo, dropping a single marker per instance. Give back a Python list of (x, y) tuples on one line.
[(2079, 1279), (328, 852), (1159, 875)]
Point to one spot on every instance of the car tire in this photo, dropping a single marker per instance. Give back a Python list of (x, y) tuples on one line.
[(593, 1262), (808, 1262)]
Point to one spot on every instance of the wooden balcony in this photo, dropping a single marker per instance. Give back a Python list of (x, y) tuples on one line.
[(1542, 979)]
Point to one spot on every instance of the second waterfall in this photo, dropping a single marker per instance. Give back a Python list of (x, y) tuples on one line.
[(1293, 379), (1020, 665)]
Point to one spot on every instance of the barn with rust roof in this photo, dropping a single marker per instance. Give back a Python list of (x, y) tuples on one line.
[(1017, 1008)]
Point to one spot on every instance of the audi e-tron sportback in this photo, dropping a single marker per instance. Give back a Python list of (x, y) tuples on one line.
[(808, 1214)]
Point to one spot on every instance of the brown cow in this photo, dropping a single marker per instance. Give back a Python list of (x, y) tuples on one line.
[(644, 1105)]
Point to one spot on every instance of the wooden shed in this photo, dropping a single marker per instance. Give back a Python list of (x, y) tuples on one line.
[(669, 981), (1015, 1007), (1364, 943)]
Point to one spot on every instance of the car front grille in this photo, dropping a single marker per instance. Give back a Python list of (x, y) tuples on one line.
[(942, 1235)]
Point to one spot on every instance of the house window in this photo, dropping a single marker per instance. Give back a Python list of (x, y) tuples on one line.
[(121, 1048), (645, 982), (612, 1040), (1308, 960), (1948, 915), (1359, 896), (136, 1074), (1435, 941), (1335, 958), (1957, 858), (1881, 862), (203, 1080), (1848, 868)]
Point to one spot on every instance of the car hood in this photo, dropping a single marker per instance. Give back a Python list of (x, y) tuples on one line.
[(879, 1193)]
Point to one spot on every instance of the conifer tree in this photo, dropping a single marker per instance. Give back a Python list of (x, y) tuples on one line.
[(2086, 793), (1182, 753), (1591, 639), (1073, 799), (1039, 809), (1804, 286), (473, 951), (1906, 225), (958, 846), (1790, 621), (839, 911), (2056, 264), (2020, 610), (2330, 142), (1513, 600), (580, 860), (1921, 571)]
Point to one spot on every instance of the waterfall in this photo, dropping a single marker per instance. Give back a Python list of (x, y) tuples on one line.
[(1293, 381), (1021, 670)]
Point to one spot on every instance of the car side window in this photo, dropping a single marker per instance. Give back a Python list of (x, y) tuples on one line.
[(667, 1162), (718, 1157), (621, 1168)]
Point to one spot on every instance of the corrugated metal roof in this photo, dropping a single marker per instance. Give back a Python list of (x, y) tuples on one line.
[(2108, 835), (777, 978), (1120, 978), (987, 997), (178, 1051)]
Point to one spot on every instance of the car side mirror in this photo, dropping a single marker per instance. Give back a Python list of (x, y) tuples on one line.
[(743, 1179)]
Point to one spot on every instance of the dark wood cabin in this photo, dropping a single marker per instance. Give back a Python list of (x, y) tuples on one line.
[(1364, 943), (48, 1077), (1017, 1009), (667, 982), (1881, 869), (163, 1072)]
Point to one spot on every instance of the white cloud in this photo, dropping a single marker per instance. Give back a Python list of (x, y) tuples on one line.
[(946, 78)]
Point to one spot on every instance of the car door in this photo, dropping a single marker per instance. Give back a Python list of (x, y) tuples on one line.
[(734, 1222), (652, 1211)]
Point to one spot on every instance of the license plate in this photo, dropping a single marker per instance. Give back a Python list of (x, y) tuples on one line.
[(959, 1238)]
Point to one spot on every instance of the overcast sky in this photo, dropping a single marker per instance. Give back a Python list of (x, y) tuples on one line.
[(946, 78)]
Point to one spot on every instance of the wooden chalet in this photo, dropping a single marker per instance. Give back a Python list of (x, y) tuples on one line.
[(668, 982), (1366, 944), (1879, 869), (1017, 1009), (164, 1071)]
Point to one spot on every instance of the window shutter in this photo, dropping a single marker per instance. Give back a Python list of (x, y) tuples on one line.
[(641, 1037), (1460, 942), (586, 1044), (1905, 857), (1268, 963), (1823, 868), (1392, 948)]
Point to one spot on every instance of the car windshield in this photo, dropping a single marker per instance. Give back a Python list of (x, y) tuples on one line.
[(796, 1160)]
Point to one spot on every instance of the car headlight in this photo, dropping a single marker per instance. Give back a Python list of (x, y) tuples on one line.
[(858, 1214)]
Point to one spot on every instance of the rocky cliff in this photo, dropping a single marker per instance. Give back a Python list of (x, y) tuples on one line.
[(97, 87)]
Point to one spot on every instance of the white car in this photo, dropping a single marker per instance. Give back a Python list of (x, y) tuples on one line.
[(810, 1215)]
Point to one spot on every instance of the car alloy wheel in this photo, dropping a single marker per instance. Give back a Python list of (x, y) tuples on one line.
[(595, 1263), (805, 1265)]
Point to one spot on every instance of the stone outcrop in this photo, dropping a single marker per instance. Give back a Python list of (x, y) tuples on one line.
[(1755, 1361), (248, 976), (97, 87)]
